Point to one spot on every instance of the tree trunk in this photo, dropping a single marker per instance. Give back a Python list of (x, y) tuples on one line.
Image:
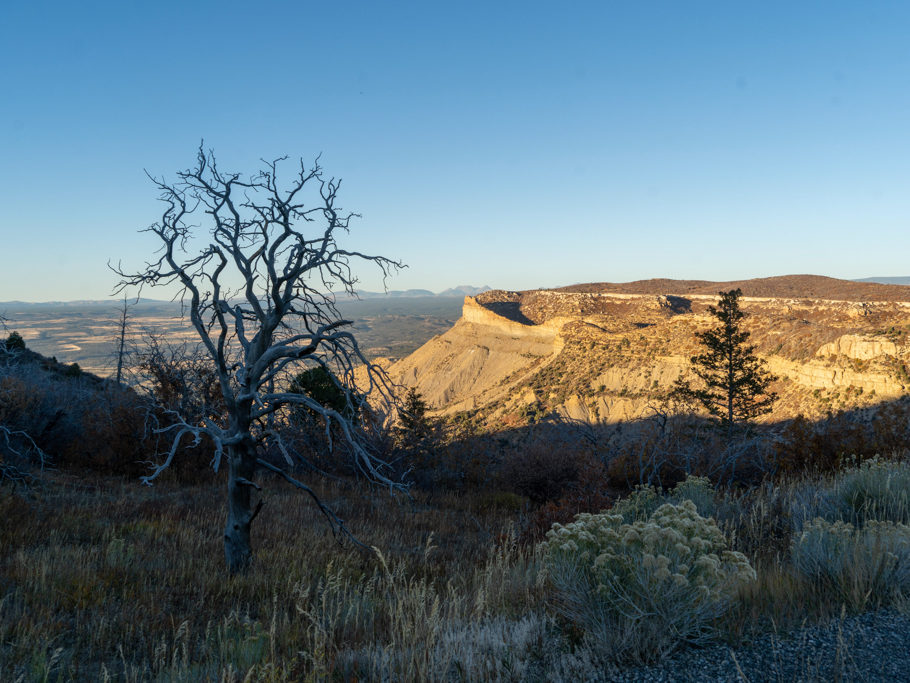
[(237, 550), (124, 313)]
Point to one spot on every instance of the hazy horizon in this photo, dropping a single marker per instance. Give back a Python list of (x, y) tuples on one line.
[(417, 292)]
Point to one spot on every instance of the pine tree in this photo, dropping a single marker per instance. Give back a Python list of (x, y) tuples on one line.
[(735, 381), (414, 424), (14, 342)]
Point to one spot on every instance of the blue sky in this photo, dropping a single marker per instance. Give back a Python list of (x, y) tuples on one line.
[(515, 144)]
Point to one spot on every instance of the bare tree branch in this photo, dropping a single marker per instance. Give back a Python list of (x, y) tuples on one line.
[(259, 291)]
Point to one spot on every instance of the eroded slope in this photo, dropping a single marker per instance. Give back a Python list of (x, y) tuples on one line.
[(606, 355)]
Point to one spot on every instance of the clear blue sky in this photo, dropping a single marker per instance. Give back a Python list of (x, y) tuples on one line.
[(515, 144)]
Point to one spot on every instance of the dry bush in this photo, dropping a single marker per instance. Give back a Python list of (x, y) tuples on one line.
[(842, 438), (454, 463), (112, 432), (877, 489), (638, 591), (559, 478), (760, 519), (85, 424), (540, 472), (179, 377), (662, 450), (821, 447), (854, 566), (38, 412), (588, 494)]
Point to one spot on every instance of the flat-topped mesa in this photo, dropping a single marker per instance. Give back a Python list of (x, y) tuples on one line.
[(605, 353), (508, 318), (554, 308), (503, 315), (816, 287)]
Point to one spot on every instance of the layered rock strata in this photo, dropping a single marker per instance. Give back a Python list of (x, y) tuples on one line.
[(610, 356)]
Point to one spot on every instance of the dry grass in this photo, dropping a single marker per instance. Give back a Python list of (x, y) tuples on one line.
[(110, 580), (129, 582)]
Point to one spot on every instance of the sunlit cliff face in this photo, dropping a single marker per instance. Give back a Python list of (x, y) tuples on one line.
[(605, 357)]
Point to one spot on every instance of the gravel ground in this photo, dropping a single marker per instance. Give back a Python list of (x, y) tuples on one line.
[(870, 647)]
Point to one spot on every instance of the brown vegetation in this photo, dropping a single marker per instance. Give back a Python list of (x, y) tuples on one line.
[(781, 287), (101, 578)]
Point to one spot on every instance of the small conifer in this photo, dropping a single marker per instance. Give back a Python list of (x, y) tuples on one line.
[(14, 342), (734, 382)]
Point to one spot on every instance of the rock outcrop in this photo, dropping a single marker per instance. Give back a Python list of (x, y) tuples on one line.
[(602, 356), (858, 347)]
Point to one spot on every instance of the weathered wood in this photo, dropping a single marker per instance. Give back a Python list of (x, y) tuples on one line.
[(255, 336)]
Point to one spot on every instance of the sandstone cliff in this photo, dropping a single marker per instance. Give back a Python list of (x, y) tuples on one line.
[(607, 356)]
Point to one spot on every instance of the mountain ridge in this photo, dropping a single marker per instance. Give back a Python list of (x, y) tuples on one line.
[(781, 286)]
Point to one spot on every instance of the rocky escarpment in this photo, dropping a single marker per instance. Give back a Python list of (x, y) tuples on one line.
[(608, 356), (465, 367)]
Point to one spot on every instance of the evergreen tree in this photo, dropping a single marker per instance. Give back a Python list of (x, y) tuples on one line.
[(413, 421), (322, 386), (735, 381), (14, 342)]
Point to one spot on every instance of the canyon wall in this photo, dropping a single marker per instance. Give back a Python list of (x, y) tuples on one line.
[(607, 357)]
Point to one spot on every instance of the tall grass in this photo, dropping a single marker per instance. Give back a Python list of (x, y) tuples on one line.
[(121, 581), (111, 581)]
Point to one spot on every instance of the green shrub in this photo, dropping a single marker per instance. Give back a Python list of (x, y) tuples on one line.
[(321, 385), (72, 370), (14, 342), (637, 591), (858, 566), (876, 490), (644, 500)]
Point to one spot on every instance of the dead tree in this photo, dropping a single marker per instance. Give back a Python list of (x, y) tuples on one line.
[(122, 324), (259, 293)]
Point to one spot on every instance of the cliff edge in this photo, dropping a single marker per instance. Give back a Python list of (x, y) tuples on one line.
[(605, 353)]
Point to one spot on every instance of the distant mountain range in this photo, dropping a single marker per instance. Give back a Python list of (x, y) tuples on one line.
[(899, 280), (77, 303), (460, 291)]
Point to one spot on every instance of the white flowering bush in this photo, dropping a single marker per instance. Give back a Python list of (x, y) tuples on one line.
[(700, 491), (858, 566), (639, 504), (644, 500), (641, 589)]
